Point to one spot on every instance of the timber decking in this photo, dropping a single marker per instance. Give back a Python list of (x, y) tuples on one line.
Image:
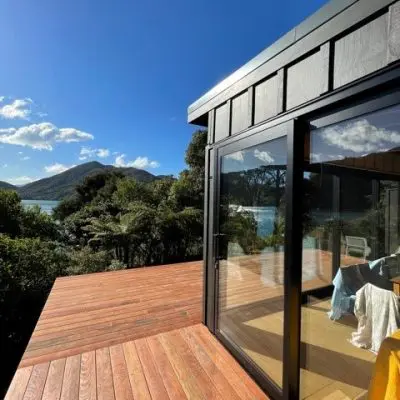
[(186, 363), (87, 312), (136, 334)]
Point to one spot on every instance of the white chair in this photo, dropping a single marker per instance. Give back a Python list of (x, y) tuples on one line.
[(358, 245)]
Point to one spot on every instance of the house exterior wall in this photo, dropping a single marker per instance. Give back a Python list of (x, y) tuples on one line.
[(349, 50), (361, 39)]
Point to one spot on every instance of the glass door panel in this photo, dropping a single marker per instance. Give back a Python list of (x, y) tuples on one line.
[(250, 251)]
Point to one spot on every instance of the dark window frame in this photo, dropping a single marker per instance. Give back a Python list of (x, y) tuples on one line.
[(379, 91)]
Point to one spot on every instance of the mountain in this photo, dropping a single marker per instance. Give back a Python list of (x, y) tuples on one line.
[(5, 185), (62, 185)]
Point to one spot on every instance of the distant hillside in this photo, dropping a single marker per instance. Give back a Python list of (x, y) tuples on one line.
[(5, 185), (62, 185)]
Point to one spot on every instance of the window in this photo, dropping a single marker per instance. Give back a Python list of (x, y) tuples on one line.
[(251, 273), (350, 250)]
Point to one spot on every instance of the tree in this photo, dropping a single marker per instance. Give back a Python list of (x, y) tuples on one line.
[(92, 185), (129, 190), (10, 212), (195, 153), (188, 190), (97, 188), (35, 223)]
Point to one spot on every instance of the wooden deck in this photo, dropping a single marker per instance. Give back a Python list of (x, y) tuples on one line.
[(187, 363), (87, 312), (136, 334), (133, 334)]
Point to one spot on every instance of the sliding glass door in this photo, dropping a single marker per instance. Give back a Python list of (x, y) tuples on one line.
[(250, 235)]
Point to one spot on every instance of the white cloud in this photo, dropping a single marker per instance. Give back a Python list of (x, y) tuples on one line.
[(238, 156), (41, 114), (57, 168), (20, 153), (21, 180), (264, 156), (360, 137), (25, 158), (2, 98), (87, 152), (42, 136), (139, 162), (19, 108)]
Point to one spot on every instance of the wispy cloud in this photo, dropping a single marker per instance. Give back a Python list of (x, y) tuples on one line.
[(87, 152), (237, 156), (264, 156), (57, 168), (139, 162), (25, 158), (5, 165), (17, 109), (360, 137), (21, 180), (42, 136)]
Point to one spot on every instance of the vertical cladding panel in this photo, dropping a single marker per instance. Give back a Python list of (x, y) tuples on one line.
[(240, 112), (394, 33), (306, 79), (266, 99), (210, 129), (361, 52), (221, 124)]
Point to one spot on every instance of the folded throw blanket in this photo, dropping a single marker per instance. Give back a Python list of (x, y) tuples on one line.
[(378, 314)]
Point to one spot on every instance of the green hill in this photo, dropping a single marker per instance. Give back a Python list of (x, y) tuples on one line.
[(6, 185), (62, 185)]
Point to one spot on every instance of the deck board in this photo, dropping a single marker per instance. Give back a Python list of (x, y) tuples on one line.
[(164, 366), (88, 312), (132, 334)]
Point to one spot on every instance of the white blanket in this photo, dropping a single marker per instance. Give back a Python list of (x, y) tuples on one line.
[(378, 314)]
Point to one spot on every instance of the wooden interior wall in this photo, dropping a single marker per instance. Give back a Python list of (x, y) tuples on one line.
[(386, 163)]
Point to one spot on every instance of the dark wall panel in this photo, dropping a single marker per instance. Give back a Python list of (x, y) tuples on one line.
[(240, 113), (394, 33), (210, 130), (266, 99), (361, 52), (306, 80), (221, 124)]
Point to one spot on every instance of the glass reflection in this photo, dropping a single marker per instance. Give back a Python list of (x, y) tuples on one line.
[(252, 222), (351, 242)]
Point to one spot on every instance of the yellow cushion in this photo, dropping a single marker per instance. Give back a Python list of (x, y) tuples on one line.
[(385, 383)]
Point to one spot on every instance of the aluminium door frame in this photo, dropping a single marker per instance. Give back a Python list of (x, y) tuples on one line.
[(292, 255)]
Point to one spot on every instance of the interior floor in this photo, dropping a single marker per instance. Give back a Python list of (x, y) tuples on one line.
[(251, 315)]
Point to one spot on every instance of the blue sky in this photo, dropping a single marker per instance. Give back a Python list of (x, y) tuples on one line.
[(111, 81)]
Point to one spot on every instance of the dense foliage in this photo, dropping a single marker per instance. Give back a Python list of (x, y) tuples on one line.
[(111, 221)]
